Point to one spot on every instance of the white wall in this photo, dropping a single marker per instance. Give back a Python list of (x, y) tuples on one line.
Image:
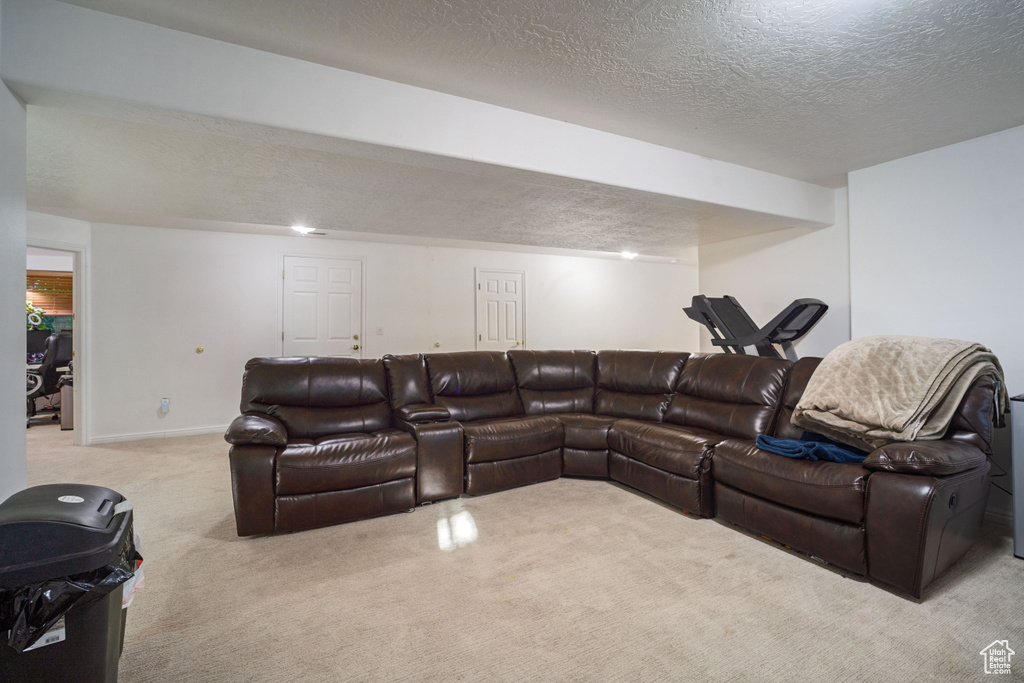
[(56, 232), (157, 294), (766, 272), (936, 241), (47, 259), (12, 291)]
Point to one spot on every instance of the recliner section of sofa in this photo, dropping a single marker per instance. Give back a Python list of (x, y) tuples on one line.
[(315, 445), (902, 517), (562, 384), (503, 446), (323, 441), (636, 388), (817, 510), (714, 397)]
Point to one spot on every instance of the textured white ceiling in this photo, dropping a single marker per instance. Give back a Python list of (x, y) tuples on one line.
[(808, 89), (109, 170)]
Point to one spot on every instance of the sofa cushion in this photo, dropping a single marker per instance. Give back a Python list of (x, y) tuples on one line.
[(491, 440), (728, 394), (976, 416), (671, 448), (345, 461), (555, 381), (316, 397), (473, 385), (588, 432), (636, 384), (407, 379), (930, 458), (799, 375), (828, 489)]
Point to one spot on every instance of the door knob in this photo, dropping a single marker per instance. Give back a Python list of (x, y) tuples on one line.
[(355, 347)]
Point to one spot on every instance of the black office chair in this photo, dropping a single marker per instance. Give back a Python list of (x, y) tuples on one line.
[(733, 330), (44, 380), (35, 345)]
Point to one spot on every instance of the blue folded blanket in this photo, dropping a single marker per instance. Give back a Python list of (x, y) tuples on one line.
[(810, 446)]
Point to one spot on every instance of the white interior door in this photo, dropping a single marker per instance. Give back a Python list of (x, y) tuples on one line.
[(499, 309), (323, 302)]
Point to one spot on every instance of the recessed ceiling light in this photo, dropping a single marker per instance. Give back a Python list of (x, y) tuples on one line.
[(629, 255), (302, 230)]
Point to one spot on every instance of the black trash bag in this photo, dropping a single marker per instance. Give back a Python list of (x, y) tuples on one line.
[(30, 611)]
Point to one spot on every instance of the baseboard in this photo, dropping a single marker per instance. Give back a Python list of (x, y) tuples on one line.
[(999, 516), (169, 434)]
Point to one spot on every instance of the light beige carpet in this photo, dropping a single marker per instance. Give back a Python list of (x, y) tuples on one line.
[(570, 580)]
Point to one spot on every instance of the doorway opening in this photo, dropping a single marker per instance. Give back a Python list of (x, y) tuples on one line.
[(54, 335)]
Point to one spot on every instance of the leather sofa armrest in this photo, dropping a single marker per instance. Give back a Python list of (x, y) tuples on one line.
[(918, 526), (930, 458), (252, 488), (439, 463), (256, 430), (422, 412)]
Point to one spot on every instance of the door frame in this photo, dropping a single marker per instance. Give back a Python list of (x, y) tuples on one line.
[(81, 389), (280, 294), (477, 293)]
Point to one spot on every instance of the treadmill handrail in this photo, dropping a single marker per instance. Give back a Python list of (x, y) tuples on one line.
[(774, 331)]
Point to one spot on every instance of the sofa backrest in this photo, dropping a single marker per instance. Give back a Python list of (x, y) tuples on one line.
[(975, 417), (407, 380), (473, 385), (795, 385), (636, 384), (316, 397), (733, 395), (555, 381)]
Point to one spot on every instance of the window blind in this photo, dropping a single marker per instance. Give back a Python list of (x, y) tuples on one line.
[(50, 290)]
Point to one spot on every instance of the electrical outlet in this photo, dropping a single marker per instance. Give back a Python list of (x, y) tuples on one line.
[(165, 405), (380, 329)]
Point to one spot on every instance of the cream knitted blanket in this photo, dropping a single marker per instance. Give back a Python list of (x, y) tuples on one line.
[(875, 390)]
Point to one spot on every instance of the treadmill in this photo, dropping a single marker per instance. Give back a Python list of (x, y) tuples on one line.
[(733, 330)]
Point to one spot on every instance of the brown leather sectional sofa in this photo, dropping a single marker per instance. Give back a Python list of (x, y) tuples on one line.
[(322, 441)]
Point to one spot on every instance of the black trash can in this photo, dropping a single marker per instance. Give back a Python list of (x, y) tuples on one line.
[(65, 551)]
